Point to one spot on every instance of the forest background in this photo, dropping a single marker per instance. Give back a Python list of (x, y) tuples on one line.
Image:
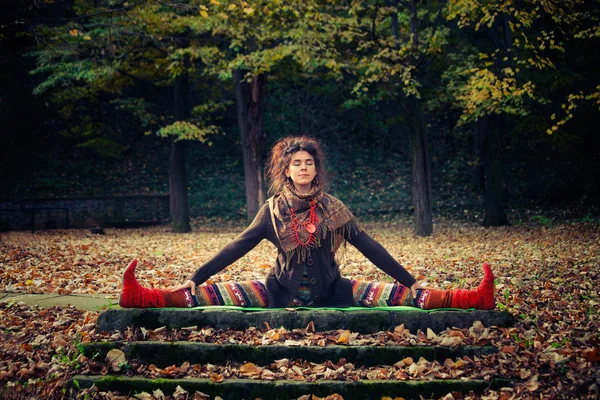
[(460, 109), (457, 112)]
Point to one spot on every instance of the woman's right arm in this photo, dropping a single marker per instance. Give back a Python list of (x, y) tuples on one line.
[(235, 250)]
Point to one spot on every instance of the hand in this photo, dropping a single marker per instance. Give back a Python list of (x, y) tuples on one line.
[(186, 285), (414, 287)]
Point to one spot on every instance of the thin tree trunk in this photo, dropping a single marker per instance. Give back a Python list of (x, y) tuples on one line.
[(178, 191), (250, 101), (494, 207), (492, 129), (478, 169), (421, 164), (421, 170)]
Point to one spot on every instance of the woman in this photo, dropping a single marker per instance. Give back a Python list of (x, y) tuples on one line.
[(307, 226)]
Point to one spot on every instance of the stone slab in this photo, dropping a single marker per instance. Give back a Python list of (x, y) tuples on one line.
[(164, 354), (81, 302), (367, 321), (253, 389)]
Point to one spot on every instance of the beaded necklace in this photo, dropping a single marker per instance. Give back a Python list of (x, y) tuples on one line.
[(310, 226)]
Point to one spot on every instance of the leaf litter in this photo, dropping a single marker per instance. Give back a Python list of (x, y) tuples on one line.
[(546, 277)]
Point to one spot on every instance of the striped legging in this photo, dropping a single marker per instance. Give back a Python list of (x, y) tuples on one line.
[(364, 294)]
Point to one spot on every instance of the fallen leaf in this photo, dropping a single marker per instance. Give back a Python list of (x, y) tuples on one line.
[(454, 333), (430, 334), (344, 337), (400, 330), (477, 329), (59, 341), (115, 358), (201, 396), (508, 349), (249, 369), (180, 393), (451, 341), (533, 384), (407, 361), (284, 362), (144, 396), (592, 355), (524, 373), (416, 369)]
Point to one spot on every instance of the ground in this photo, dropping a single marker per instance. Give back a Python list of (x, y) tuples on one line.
[(546, 275)]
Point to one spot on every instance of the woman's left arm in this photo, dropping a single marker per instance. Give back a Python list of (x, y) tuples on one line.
[(379, 256)]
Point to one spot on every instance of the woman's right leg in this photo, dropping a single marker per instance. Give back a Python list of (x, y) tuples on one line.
[(243, 294)]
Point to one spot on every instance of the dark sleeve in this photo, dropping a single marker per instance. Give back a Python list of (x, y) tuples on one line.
[(241, 245), (379, 256)]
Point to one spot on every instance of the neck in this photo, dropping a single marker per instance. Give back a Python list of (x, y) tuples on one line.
[(302, 189)]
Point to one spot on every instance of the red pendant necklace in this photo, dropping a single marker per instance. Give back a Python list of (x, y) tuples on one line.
[(310, 226)]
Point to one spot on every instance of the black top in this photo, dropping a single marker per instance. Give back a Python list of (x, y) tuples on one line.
[(328, 288)]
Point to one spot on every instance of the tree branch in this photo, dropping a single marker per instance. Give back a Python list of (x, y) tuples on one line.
[(433, 31), (373, 32), (114, 10)]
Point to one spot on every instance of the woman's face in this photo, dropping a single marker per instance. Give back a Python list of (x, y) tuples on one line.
[(302, 170)]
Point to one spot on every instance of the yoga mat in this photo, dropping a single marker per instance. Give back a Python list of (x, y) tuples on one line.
[(344, 309)]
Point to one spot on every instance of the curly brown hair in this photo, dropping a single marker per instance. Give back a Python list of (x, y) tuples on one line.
[(280, 158)]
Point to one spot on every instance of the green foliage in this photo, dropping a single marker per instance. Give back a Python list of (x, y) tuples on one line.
[(542, 220), (143, 110), (125, 56), (479, 91), (533, 36), (337, 70), (183, 130), (104, 146), (70, 73)]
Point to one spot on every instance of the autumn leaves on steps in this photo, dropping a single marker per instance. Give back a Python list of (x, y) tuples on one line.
[(289, 361)]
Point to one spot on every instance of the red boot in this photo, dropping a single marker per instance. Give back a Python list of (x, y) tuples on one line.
[(133, 295), (481, 298)]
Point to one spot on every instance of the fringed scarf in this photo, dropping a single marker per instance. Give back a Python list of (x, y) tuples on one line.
[(333, 220)]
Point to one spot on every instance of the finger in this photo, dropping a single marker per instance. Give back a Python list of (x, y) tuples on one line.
[(176, 288)]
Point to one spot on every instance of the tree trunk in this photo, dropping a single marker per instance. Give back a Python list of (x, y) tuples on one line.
[(494, 207), (178, 191), (421, 169), (250, 101), (421, 164), (491, 129), (478, 169)]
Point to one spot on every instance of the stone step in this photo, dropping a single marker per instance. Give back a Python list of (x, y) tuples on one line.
[(367, 321), (252, 389), (164, 354)]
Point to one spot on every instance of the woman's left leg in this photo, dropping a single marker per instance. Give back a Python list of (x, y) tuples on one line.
[(377, 294)]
